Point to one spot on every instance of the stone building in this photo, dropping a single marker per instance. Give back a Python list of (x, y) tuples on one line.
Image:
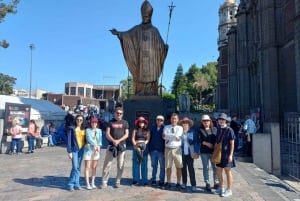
[(259, 72)]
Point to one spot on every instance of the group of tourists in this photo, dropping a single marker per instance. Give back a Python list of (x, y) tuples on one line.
[(177, 143), (32, 137)]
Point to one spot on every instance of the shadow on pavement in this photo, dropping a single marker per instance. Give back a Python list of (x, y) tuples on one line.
[(46, 181)]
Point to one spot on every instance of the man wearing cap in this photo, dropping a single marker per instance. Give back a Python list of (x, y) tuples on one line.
[(156, 150), (172, 135), (116, 133)]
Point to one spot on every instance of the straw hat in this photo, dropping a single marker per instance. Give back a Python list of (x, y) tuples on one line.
[(186, 119)]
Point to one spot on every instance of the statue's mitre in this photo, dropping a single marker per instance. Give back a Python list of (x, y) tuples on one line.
[(146, 7)]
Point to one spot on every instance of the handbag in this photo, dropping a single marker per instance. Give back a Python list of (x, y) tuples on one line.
[(217, 153)]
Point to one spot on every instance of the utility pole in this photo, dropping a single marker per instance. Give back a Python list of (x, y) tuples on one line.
[(32, 47)]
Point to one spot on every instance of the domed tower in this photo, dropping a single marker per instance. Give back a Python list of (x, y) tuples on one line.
[(227, 19)]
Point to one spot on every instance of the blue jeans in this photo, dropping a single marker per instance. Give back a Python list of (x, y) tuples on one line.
[(52, 140), (206, 158), (139, 169), (15, 142), (77, 157), (30, 140), (157, 157)]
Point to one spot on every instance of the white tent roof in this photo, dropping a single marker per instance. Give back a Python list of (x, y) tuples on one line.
[(40, 109)]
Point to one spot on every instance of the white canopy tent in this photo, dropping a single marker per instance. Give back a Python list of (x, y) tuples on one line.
[(40, 109)]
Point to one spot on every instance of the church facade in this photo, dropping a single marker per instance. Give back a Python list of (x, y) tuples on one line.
[(259, 66)]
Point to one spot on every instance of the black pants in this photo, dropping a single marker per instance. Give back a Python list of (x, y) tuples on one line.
[(188, 163), (248, 148)]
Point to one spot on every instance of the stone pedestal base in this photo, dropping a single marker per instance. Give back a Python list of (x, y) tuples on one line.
[(148, 107)]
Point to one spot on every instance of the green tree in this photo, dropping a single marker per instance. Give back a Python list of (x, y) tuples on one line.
[(211, 74), (179, 82), (127, 87), (6, 84), (7, 8)]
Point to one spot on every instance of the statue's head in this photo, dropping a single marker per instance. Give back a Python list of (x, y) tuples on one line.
[(146, 11)]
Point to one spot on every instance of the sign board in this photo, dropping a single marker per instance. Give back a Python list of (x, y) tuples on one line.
[(21, 112)]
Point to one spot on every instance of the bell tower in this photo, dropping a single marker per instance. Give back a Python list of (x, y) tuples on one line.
[(227, 19)]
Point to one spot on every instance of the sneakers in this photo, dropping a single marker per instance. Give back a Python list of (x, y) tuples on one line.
[(227, 193), (167, 185), (160, 184), (93, 186), (103, 186), (78, 188), (194, 189), (117, 185), (88, 187), (220, 191), (134, 183), (178, 186), (153, 183), (183, 186), (207, 187), (216, 186)]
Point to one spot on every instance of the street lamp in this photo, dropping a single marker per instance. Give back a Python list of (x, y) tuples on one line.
[(32, 47)]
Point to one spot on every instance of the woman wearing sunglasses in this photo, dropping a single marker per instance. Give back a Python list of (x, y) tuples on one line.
[(75, 148)]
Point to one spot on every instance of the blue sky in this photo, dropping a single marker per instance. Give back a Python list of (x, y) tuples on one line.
[(73, 42)]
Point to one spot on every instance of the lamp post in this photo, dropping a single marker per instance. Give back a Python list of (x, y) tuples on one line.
[(32, 47)]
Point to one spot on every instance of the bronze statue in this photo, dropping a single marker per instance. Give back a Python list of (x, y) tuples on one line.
[(144, 52)]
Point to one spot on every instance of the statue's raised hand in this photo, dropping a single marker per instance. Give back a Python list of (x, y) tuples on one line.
[(114, 31)]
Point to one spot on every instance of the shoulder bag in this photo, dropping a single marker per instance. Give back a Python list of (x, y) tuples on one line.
[(217, 153)]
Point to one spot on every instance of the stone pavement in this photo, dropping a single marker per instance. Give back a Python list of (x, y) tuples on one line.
[(44, 175)]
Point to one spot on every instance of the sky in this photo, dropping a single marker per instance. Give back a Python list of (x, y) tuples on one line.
[(73, 43)]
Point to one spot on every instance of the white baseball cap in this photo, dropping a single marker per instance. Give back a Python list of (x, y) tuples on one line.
[(160, 117)]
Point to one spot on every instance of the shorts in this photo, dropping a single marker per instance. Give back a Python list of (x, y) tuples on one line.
[(173, 154), (91, 155)]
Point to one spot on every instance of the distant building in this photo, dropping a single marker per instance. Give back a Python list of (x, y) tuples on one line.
[(36, 94), (103, 96)]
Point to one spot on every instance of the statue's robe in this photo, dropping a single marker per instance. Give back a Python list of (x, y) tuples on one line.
[(144, 52)]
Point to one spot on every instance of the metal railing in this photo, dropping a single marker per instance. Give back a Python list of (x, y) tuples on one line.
[(290, 145)]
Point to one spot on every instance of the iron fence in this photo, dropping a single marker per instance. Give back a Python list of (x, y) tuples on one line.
[(290, 145)]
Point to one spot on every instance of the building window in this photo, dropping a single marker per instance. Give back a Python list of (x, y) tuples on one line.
[(73, 91), (67, 90), (80, 91), (88, 92)]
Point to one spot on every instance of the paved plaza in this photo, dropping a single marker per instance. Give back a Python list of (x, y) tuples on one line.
[(44, 176)]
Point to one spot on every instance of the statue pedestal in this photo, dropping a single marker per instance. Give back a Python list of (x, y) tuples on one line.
[(148, 107)]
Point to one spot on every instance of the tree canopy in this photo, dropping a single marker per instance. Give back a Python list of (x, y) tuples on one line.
[(6, 84), (7, 8), (198, 82)]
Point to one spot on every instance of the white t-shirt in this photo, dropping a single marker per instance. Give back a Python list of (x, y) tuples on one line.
[(171, 136)]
